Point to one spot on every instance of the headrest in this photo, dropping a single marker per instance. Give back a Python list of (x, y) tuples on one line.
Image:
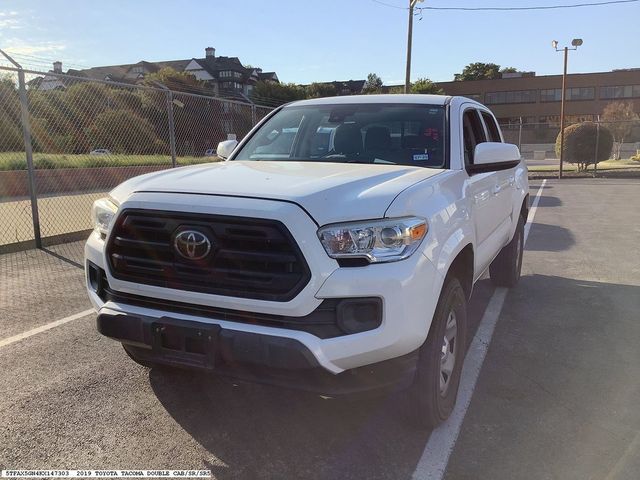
[(347, 139), (377, 138)]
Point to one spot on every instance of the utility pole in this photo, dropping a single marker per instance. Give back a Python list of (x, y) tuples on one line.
[(576, 42), (407, 80)]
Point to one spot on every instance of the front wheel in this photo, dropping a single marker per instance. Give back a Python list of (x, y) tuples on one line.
[(435, 388), (505, 268)]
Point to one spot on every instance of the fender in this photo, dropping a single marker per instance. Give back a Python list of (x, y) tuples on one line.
[(450, 249), (446, 209), (520, 194)]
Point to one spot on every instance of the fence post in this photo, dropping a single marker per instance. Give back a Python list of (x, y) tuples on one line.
[(172, 125), (253, 115), (520, 135), (595, 163), (172, 128), (28, 148)]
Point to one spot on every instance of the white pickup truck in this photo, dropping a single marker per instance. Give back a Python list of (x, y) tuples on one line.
[(334, 250)]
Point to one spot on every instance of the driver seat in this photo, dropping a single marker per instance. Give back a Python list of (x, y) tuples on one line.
[(348, 140)]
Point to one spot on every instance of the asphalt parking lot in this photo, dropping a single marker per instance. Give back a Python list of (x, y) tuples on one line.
[(556, 398)]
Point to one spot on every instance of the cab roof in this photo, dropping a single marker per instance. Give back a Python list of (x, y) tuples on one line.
[(388, 98)]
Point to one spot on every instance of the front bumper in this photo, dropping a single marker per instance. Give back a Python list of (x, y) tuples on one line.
[(408, 290), (248, 356)]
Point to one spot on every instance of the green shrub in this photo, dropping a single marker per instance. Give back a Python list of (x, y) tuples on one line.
[(17, 160), (45, 163), (580, 144), (14, 164), (10, 134), (124, 132)]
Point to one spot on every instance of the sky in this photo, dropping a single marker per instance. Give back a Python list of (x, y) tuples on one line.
[(320, 40)]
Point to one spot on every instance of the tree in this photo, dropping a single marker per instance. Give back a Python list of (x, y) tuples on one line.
[(61, 118), (274, 93), (373, 84), (122, 131), (10, 126), (175, 80), (580, 142), (508, 70), (619, 118), (478, 71), (10, 135), (426, 86), (318, 90), (127, 99)]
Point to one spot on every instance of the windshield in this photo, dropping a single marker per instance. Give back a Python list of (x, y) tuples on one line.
[(372, 133)]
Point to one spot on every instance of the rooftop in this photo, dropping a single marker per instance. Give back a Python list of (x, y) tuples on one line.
[(363, 99)]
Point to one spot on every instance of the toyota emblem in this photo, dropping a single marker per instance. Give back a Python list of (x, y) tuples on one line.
[(192, 244)]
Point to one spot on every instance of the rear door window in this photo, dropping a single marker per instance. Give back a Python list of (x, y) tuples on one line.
[(472, 133), (492, 128)]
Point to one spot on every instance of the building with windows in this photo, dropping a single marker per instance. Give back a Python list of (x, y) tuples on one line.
[(524, 97), (528, 106), (224, 76), (536, 99)]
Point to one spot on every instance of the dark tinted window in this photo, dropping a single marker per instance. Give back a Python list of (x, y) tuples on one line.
[(621, 91), (492, 128), (581, 93), (472, 134), (516, 96), (551, 95), (362, 133)]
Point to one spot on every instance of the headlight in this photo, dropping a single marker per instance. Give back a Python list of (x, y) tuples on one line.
[(376, 240), (102, 214)]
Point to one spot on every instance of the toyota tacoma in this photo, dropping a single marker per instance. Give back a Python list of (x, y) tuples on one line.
[(333, 250)]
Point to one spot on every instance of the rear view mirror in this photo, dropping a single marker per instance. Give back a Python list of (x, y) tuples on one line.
[(225, 148), (494, 156)]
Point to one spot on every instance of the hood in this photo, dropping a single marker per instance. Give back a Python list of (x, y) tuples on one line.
[(330, 192)]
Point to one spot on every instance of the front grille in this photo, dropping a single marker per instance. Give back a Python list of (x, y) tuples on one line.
[(248, 258)]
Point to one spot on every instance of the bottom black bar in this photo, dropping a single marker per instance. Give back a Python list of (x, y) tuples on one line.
[(280, 361)]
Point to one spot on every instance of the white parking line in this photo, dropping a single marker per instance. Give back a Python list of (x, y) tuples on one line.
[(44, 328), (434, 459), (532, 210)]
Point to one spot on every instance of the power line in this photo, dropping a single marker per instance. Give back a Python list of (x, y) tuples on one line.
[(48, 61), (509, 9)]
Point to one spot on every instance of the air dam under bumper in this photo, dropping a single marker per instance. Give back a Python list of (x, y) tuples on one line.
[(248, 356)]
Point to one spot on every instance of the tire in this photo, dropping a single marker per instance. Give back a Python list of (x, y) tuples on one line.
[(131, 352), (505, 268), (433, 393)]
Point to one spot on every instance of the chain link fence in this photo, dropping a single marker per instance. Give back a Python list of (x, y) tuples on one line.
[(537, 141), (66, 141)]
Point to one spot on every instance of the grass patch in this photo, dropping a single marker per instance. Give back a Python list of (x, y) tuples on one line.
[(603, 166), (42, 161)]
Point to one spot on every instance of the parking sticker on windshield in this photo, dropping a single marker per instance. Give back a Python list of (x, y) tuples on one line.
[(420, 157)]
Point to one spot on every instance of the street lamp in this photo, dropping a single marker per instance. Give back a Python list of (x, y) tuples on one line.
[(576, 42), (407, 81)]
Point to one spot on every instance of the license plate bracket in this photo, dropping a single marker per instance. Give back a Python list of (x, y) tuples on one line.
[(185, 342)]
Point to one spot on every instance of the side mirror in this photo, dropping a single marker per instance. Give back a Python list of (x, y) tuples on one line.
[(226, 148), (494, 156)]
